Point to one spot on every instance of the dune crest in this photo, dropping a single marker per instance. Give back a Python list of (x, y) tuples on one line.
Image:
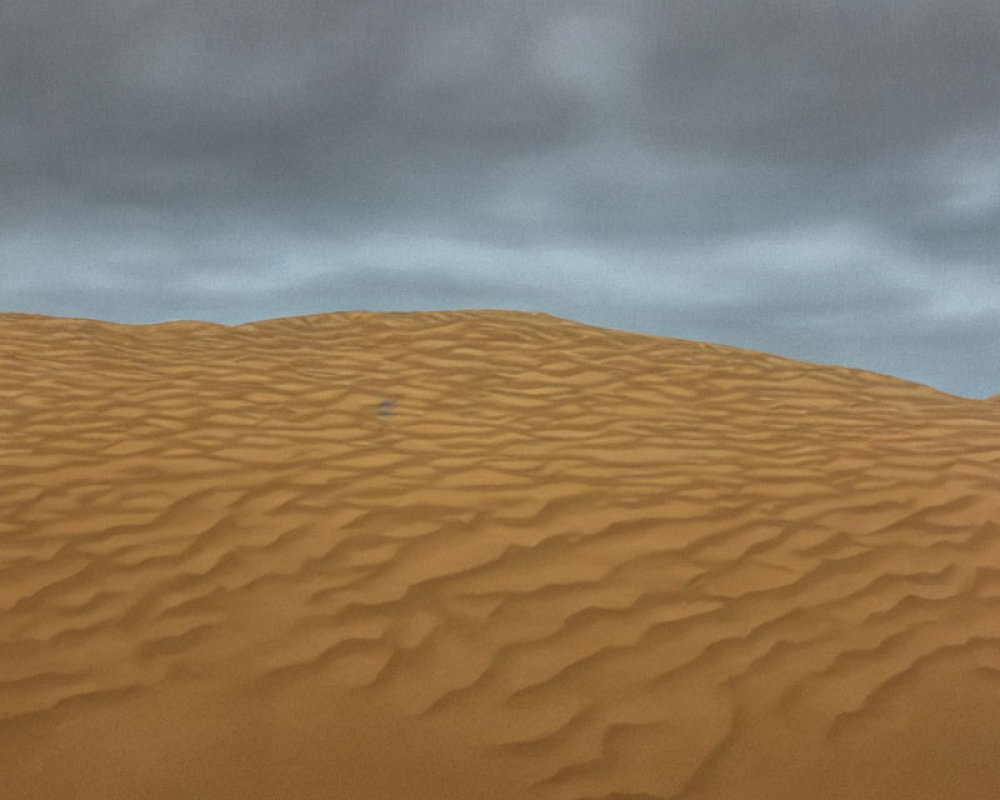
[(486, 554)]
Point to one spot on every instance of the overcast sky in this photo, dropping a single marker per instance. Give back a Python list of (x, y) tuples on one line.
[(814, 178)]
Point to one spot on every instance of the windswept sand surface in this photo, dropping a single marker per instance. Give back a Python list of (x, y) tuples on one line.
[(573, 563)]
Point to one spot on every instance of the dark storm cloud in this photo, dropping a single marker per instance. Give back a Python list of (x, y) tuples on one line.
[(816, 178), (830, 80)]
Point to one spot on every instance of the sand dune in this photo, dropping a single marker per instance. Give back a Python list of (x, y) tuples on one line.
[(571, 563)]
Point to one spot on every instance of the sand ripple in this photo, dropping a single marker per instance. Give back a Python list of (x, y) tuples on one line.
[(570, 563)]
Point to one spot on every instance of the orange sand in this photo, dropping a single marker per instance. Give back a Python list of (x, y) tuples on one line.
[(573, 563)]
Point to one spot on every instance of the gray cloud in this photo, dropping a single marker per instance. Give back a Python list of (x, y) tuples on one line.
[(821, 80), (818, 178)]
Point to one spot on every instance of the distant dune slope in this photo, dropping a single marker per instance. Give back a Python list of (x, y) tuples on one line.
[(565, 563)]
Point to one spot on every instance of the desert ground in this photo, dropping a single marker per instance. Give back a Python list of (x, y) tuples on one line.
[(486, 555)]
